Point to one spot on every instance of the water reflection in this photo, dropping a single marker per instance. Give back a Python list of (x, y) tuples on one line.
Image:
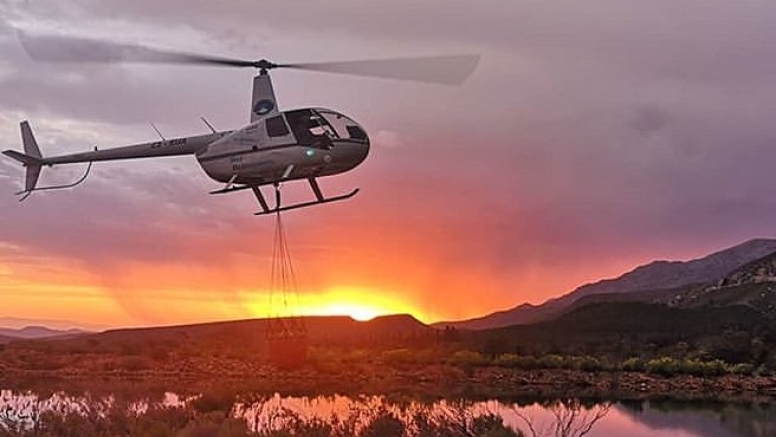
[(378, 415), (567, 418)]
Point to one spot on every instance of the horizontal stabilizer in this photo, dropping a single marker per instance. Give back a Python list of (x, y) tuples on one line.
[(21, 157)]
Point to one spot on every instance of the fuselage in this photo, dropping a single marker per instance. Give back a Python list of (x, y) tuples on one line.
[(297, 144)]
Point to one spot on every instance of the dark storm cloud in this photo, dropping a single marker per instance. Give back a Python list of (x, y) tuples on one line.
[(592, 130)]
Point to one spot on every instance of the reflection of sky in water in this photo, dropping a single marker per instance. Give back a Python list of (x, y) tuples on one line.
[(274, 412), (22, 409)]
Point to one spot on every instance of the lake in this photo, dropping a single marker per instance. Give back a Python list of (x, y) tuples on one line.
[(23, 411)]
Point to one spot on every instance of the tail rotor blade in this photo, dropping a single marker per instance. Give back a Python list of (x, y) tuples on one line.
[(446, 70)]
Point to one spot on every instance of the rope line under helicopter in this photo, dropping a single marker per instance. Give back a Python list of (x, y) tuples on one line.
[(282, 280)]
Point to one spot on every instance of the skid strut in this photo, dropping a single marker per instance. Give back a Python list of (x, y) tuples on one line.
[(265, 208), (319, 199)]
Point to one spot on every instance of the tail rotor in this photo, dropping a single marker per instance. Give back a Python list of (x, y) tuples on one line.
[(31, 159)]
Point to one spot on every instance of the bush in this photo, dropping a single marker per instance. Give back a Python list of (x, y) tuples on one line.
[(398, 357), (633, 364), (703, 368), (467, 358), (663, 366), (507, 360), (528, 363), (742, 369), (552, 361), (467, 361), (590, 364)]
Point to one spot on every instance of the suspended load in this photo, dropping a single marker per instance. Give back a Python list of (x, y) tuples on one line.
[(286, 336)]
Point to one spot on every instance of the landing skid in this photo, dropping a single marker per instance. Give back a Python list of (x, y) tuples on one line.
[(265, 208)]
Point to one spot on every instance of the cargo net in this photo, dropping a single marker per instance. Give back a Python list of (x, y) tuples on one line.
[(286, 335)]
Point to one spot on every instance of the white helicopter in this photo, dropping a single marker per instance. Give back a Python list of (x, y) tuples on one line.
[(276, 147)]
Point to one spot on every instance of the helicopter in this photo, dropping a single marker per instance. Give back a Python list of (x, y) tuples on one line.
[(275, 147)]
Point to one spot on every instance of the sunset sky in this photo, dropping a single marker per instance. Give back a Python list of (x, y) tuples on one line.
[(594, 136)]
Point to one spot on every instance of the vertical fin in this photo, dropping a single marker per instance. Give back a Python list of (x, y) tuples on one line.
[(30, 149), (28, 139), (263, 102)]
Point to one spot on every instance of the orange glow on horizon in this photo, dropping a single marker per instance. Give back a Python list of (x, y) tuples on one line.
[(378, 276), (359, 303)]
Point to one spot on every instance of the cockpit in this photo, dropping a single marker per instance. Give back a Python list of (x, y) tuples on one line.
[(316, 127)]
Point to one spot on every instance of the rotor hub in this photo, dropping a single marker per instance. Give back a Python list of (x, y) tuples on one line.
[(265, 65)]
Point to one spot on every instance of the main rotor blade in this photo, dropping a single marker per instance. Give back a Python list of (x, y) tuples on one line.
[(49, 48), (446, 70)]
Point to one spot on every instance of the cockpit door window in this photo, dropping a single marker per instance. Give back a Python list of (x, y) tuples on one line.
[(276, 127), (310, 129)]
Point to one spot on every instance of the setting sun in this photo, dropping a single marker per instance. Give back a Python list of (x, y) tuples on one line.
[(359, 303)]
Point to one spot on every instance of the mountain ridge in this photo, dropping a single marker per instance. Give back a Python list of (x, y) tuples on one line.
[(655, 276), (39, 332)]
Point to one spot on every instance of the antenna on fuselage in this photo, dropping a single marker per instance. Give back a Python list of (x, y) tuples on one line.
[(158, 132)]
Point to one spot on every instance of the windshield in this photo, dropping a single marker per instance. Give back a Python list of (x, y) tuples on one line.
[(343, 126)]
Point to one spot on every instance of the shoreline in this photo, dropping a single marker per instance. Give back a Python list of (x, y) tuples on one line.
[(423, 382)]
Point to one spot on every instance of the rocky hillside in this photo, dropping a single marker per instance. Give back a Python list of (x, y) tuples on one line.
[(756, 272), (752, 285), (649, 278), (673, 274)]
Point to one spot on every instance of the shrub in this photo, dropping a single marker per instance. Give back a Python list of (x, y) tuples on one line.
[(665, 366), (742, 369), (713, 368), (633, 364), (507, 360), (467, 358), (528, 363), (703, 368), (552, 361), (590, 364), (398, 357)]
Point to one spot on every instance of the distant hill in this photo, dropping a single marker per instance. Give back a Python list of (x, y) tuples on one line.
[(34, 332), (319, 327), (656, 277), (332, 331), (734, 320), (60, 325), (623, 329)]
